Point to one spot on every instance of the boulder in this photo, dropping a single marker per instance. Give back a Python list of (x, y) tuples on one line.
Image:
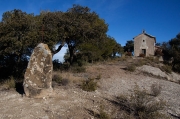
[(38, 76)]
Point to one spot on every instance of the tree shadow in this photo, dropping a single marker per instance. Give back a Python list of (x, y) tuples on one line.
[(19, 88)]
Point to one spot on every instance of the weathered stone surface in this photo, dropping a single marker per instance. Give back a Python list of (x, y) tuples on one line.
[(38, 75), (157, 72)]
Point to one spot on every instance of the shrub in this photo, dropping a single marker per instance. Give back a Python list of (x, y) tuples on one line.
[(158, 53), (141, 105), (65, 82), (66, 66), (89, 85), (98, 77), (128, 54), (10, 82), (131, 68), (102, 113), (141, 55), (61, 81), (140, 63), (155, 89), (152, 59), (123, 58), (57, 78), (78, 69), (166, 68)]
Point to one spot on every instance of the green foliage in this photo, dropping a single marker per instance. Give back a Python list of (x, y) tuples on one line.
[(15, 42), (80, 29), (141, 105), (171, 50), (129, 47), (89, 85)]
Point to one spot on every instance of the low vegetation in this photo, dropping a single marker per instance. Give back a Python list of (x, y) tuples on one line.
[(131, 68), (89, 85), (141, 105), (61, 81), (166, 68), (10, 83), (78, 69), (155, 89), (98, 77), (102, 113)]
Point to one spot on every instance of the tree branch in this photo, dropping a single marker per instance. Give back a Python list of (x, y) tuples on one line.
[(59, 48)]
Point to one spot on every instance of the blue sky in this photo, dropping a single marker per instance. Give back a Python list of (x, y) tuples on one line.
[(126, 18)]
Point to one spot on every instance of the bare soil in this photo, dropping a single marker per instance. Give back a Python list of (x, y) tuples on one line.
[(71, 102)]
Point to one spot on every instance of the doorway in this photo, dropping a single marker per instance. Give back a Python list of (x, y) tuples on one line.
[(144, 51)]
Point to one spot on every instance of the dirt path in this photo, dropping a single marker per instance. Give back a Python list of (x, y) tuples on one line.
[(71, 102)]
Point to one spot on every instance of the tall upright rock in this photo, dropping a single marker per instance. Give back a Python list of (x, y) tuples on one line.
[(38, 76)]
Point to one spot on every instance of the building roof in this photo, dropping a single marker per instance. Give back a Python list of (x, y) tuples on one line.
[(143, 32)]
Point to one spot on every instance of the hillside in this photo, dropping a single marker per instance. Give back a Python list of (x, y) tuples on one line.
[(69, 101)]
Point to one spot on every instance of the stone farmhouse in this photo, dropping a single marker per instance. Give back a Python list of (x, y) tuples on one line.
[(144, 44)]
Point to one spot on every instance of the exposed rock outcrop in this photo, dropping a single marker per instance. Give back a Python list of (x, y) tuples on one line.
[(174, 77)]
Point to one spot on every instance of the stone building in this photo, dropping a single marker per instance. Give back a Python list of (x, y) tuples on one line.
[(144, 44)]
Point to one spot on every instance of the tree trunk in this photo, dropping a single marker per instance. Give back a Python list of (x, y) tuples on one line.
[(71, 53)]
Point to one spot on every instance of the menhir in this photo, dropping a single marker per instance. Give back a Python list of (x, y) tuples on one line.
[(38, 76)]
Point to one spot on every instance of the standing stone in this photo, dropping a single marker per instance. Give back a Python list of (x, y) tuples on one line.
[(38, 76)]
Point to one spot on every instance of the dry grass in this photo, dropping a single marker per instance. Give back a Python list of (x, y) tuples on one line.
[(10, 83), (89, 85), (156, 89), (131, 68), (140, 105)]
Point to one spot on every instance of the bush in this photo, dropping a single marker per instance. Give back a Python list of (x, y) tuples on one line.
[(123, 58), (10, 82), (141, 55), (98, 77), (166, 68), (141, 105), (78, 69), (102, 113), (152, 59), (155, 89), (89, 85), (140, 63), (128, 54), (61, 81), (57, 78), (131, 68), (158, 53)]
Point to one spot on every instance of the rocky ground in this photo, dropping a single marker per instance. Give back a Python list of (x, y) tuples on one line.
[(71, 102)]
